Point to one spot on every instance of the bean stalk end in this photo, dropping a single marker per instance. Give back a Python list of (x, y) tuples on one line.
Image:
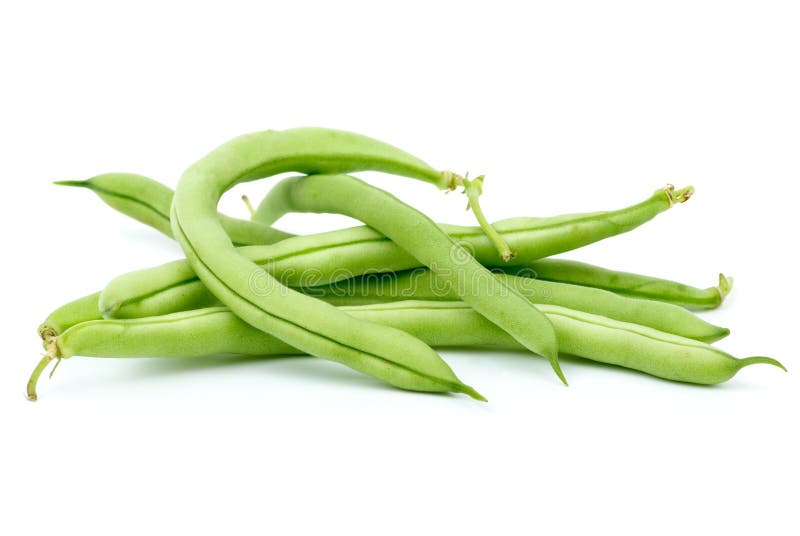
[(50, 354), (473, 190)]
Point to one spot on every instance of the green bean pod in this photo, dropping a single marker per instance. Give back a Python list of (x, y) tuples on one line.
[(149, 201), (529, 238), (146, 200), (422, 284), (420, 236), (325, 258), (75, 312), (261, 300), (442, 324), (451, 278), (629, 284)]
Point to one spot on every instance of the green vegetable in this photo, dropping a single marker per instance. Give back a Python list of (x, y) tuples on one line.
[(629, 284), (325, 258), (306, 323), (422, 284), (148, 202), (218, 331)]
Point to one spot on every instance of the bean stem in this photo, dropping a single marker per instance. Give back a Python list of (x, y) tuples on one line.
[(678, 196), (52, 353), (249, 205), (725, 286), (473, 190)]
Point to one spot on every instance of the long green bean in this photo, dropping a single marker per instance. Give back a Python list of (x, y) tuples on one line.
[(420, 236), (309, 324), (422, 284), (325, 258), (627, 283), (442, 324)]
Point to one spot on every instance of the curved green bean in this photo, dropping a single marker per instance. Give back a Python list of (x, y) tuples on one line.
[(309, 324), (420, 236), (149, 201), (629, 284), (422, 284), (218, 331), (337, 255)]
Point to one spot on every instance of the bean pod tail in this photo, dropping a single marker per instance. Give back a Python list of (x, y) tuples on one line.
[(149, 201)]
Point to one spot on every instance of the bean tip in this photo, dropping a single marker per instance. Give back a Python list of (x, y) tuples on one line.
[(70, 183), (725, 286), (763, 360), (557, 368), (719, 334), (472, 393), (249, 205)]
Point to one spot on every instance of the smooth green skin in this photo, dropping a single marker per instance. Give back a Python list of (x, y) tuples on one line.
[(629, 284), (529, 238), (418, 284), (149, 201), (421, 284), (450, 264), (217, 331), (306, 323), (325, 258), (75, 312)]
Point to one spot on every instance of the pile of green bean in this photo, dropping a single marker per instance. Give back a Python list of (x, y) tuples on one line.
[(379, 297)]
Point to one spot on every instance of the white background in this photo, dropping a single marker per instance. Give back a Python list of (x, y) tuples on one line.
[(566, 106)]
